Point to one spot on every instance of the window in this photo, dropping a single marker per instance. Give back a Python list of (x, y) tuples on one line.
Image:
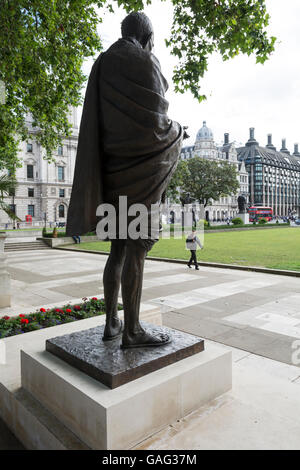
[(29, 147), (61, 193), (29, 171), (61, 173), (31, 210), (30, 192), (60, 150), (61, 210), (12, 208)]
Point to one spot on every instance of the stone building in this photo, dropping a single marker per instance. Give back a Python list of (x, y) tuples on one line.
[(205, 147), (274, 176), (43, 189)]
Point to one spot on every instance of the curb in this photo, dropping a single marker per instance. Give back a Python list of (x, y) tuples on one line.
[(242, 229), (202, 263)]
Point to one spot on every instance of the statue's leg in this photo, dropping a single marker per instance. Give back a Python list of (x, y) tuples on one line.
[(111, 281), (132, 281)]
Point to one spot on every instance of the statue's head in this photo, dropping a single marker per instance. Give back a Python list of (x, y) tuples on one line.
[(137, 25)]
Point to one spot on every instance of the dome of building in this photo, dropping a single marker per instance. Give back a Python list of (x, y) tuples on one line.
[(204, 133)]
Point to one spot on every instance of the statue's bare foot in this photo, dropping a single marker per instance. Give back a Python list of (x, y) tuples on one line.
[(113, 329), (142, 339)]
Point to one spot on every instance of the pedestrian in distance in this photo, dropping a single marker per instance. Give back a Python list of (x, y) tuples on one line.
[(191, 244)]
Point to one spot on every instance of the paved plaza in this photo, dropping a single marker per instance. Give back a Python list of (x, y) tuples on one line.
[(252, 311), (255, 315)]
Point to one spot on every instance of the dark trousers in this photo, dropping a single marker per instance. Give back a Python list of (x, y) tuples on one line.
[(193, 258)]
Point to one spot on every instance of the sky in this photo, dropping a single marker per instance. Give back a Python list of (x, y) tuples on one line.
[(240, 93)]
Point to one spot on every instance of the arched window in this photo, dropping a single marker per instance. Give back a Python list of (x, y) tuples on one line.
[(61, 210)]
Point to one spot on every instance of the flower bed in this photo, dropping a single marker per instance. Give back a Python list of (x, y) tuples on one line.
[(23, 323)]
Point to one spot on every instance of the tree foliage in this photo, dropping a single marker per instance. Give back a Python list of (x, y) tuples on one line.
[(209, 180), (177, 180), (44, 43), (228, 27), (7, 187)]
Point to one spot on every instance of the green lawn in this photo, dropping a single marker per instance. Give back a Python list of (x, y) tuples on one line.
[(274, 248)]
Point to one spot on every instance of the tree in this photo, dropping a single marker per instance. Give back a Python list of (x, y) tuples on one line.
[(7, 187), (228, 27), (173, 191), (44, 43), (210, 179)]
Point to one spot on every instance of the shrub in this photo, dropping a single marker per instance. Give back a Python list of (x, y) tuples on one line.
[(262, 221), (237, 221), (44, 232), (54, 233)]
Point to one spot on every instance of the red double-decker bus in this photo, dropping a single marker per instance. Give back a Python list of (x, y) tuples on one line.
[(256, 213)]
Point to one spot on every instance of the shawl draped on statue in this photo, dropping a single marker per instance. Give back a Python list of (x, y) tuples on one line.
[(127, 144)]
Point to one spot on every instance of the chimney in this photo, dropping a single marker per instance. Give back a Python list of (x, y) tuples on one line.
[(270, 145), (251, 140), (296, 151), (283, 148), (226, 138)]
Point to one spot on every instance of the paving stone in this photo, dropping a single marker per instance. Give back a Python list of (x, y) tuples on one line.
[(84, 289)]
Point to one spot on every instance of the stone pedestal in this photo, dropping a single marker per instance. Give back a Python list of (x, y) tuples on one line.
[(5, 293), (119, 418), (244, 217), (106, 362)]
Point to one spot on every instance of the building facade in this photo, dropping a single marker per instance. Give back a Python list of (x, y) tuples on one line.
[(274, 176), (43, 189), (205, 147)]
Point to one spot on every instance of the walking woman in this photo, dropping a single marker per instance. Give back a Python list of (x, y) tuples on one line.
[(191, 244)]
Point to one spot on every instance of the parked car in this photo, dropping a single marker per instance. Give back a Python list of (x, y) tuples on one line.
[(297, 221)]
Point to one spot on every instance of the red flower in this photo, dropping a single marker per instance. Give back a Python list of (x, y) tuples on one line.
[(22, 315), (68, 310), (42, 310), (24, 320), (77, 307), (94, 298), (6, 317)]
